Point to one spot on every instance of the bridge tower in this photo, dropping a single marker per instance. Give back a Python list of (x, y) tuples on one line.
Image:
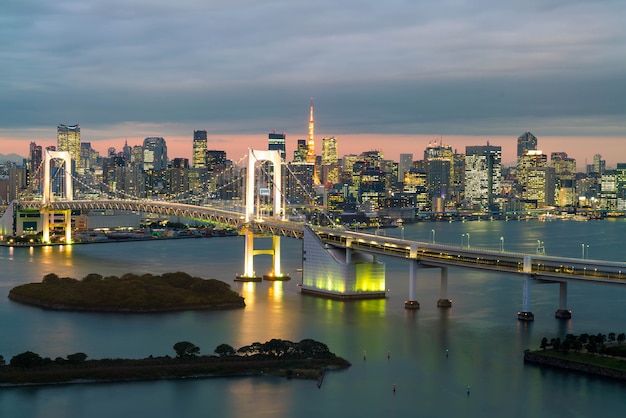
[(50, 216), (252, 216)]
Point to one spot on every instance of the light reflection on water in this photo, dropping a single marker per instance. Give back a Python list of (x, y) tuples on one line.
[(483, 338)]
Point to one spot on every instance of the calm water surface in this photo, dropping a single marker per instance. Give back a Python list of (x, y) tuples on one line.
[(481, 334)]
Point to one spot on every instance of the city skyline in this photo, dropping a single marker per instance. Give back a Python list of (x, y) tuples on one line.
[(407, 72)]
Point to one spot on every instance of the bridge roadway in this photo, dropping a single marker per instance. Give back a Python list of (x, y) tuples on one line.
[(540, 267)]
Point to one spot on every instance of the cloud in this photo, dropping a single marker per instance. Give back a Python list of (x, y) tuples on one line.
[(243, 66)]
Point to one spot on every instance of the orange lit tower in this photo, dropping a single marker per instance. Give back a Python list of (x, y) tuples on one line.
[(310, 154)]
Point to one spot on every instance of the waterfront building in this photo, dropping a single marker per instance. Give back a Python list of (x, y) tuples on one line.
[(565, 171), (483, 174), (540, 186), (439, 161), (199, 157), (531, 160)]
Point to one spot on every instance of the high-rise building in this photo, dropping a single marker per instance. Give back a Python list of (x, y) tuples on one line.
[(526, 142), (276, 142), (35, 168), (299, 154), (439, 160), (531, 160), (483, 174), (154, 154), (330, 168), (198, 159), (68, 139), (216, 160), (404, 165)]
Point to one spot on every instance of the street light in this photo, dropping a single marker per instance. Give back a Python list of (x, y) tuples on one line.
[(583, 248), (432, 232), (402, 232), (501, 244), (468, 239)]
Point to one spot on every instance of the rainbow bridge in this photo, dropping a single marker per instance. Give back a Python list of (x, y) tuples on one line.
[(344, 264)]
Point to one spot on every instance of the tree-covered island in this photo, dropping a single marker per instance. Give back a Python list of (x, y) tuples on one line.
[(598, 354), (128, 293), (307, 359)]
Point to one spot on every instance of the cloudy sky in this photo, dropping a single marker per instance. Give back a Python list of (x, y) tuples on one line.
[(391, 75)]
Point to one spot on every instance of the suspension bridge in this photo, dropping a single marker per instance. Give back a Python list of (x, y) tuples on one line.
[(337, 263)]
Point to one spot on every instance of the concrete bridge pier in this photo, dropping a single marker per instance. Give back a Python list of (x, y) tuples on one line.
[(526, 314), (276, 273), (412, 302), (249, 275), (443, 301), (563, 312)]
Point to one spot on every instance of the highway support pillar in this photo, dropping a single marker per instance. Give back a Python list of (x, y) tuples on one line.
[(563, 312), (443, 301), (412, 302)]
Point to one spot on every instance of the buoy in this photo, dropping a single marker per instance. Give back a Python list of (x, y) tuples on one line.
[(394, 388), (468, 390), (388, 355), (446, 352), (364, 355)]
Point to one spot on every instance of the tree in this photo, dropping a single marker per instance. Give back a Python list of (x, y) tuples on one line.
[(611, 337), (224, 350), (621, 337), (2, 362), (51, 278), (544, 343), (26, 360), (76, 358), (185, 349)]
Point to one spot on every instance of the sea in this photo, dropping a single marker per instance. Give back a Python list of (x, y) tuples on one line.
[(463, 361)]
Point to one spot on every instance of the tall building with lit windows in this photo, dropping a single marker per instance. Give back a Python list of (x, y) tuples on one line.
[(198, 158), (68, 139), (483, 174), (330, 167), (276, 142)]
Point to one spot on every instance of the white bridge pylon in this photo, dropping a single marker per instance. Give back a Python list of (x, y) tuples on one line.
[(48, 194), (254, 157)]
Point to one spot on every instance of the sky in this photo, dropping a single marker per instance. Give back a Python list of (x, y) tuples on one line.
[(391, 75)]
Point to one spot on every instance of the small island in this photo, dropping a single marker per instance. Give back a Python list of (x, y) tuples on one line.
[(128, 293), (597, 354), (307, 359)]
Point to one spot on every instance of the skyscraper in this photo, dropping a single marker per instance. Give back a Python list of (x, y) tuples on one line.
[(483, 174), (276, 142), (198, 159), (330, 168), (525, 143), (154, 154), (68, 139)]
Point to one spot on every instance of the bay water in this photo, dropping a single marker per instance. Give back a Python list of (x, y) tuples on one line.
[(463, 361)]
